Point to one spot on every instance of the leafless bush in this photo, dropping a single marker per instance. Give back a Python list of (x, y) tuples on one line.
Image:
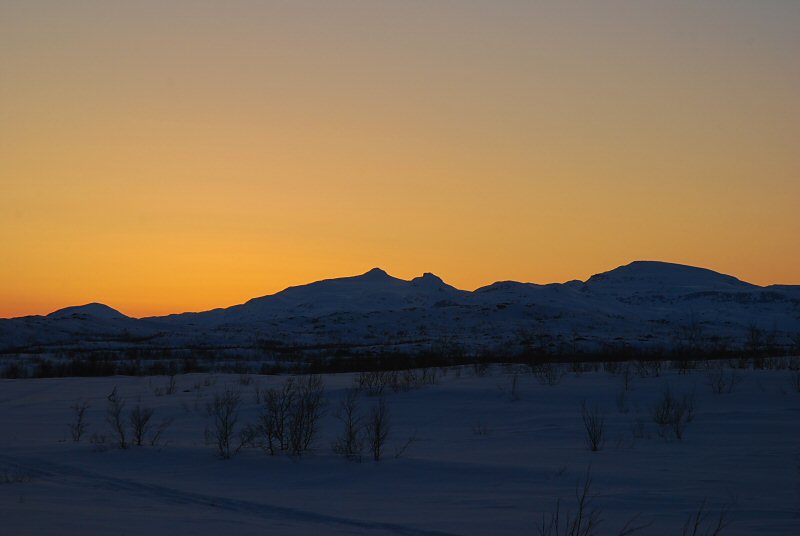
[(290, 418), (377, 428), (78, 425), (649, 368), (627, 377), (480, 429), (306, 411), (684, 365), (404, 381), (514, 387), (548, 373), (375, 382), (585, 520), (169, 389), (351, 443), (115, 420), (429, 376), (398, 452), (672, 414), (14, 476), (155, 437), (594, 423), (140, 423), (224, 414), (274, 420), (698, 523), (721, 379), (172, 386)]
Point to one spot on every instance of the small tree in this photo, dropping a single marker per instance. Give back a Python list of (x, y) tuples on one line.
[(224, 414), (672, 414), (114, 418), (305, 414), (155, 437), (78, 425), (720, 379), (350, 443), (275, 417), (583, 522), (140, 423), (377, 428), (698, 521), (594, 423)]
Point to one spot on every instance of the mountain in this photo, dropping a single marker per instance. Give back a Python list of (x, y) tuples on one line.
[(374, 290), (664, 278), (645, 304), (96, 310)]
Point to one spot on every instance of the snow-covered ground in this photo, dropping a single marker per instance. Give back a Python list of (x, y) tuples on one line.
[(484, 461)]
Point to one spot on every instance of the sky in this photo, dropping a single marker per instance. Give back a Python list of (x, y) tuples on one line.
[(176, 156)]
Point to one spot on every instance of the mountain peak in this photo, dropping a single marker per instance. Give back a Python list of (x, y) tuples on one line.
[(97, 310), (429, 279), (376, 273), (666, 274)]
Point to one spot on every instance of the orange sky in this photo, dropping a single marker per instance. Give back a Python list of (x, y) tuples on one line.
[(184, 157)]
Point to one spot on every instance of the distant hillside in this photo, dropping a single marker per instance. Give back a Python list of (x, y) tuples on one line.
[(645, 305)]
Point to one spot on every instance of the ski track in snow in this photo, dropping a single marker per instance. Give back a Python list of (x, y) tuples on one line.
[(73, 476)]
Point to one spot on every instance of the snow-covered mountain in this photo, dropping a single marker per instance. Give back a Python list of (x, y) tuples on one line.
[(645, 304)]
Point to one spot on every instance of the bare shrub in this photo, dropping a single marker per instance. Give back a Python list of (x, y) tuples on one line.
[(594, 423), (586, 519), (351, 443), (224, 414), (398, 452), (515, 387), (140, 423), (305, 415), (77, 427), (672, 414), (290, 417), (172, 386), (548, 373), (158, 432), (649, 368), (14, 476), (721, 380), (583, 522), (274, 420), (375, 382), (480, 429), (115, 420), (627, 377), (698, 523), (377, 428), (429, 376)]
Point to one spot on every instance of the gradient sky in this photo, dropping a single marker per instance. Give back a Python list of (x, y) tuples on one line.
[(184, 155)]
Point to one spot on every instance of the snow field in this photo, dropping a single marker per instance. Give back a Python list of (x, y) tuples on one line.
[(484, 459)]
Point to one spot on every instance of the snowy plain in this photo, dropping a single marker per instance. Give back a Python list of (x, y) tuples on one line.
[(486, 457)]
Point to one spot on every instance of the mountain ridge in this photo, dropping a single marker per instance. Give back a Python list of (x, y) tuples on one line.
[(639, 269), (644, 304)]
